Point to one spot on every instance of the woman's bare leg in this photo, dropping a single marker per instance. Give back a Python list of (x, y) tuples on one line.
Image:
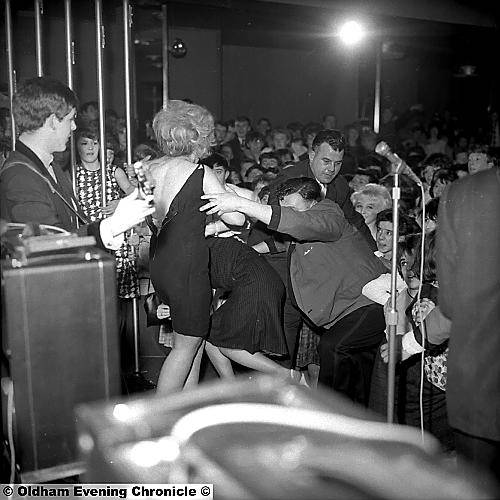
[(176, 367), (256, 361), (194, 374), (221, 363)]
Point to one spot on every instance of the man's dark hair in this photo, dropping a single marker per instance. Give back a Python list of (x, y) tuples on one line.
[(307, 188), (242, 118), (253, 136), (216, 160), (439, 160), (269, 155), (407, 225), (38, 98), (334, 138)]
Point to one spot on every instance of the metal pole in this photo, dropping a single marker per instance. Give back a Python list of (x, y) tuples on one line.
[(164, 44), (392, 319), (38, 37), (127, 24), (378, 75), (99, 31), (10, 69), (70, 61)]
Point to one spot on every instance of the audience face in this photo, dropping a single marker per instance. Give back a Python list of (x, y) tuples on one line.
[(230, 133), (358, 182), (234, 177), (352, 136), (244, 167), (286, 158), (267, 163), (369, 207), (263, 127), (91, 114), (220, 133), (227, 152), (122, 138), (110, 156), (256, 146), (326, 163), (220, 173), (369, 141), (241, 128), (88, 149), (280, 141), (384, 238), (438, 188), (429, 225), (409, 276), (478, 162), (253, 174), (329, 122), (310, 139), (295, 201), (429, 172)]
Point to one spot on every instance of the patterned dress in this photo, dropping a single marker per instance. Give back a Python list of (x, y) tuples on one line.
[(89, 192)]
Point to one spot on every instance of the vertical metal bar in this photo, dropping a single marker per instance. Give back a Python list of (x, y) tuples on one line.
[(38, 37), (378, 76), (127, 25), (164, 51), (99, 31), (70, 61), (10, 69), (393, 313)]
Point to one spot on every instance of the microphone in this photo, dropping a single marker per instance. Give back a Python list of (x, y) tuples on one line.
[(399, 166)]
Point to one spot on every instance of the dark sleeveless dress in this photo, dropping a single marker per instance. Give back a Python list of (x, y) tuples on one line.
[(179, 259), (251, 317)]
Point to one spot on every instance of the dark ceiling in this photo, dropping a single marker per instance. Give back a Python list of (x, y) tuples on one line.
[(294, 25)]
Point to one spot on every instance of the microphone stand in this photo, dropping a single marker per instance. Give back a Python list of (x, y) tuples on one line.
[(392, 318)]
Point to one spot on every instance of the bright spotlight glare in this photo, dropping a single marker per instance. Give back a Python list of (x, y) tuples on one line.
[(351, 32)]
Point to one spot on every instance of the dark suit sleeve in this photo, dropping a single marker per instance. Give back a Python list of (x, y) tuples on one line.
[(25, 196), (25, 199), (446, 252), (343, 199), (320, 223)]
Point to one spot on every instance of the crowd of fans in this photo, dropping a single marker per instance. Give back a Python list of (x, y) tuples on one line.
[(251, 157)]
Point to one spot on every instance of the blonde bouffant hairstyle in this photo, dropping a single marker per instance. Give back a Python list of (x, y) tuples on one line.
[(184, 129)]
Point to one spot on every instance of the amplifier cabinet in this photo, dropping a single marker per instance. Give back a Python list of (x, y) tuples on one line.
[(60, 340)]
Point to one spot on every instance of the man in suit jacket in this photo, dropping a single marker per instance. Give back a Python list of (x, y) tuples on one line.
[(238, 142), (31, 189), (324, 164), (468, 269)]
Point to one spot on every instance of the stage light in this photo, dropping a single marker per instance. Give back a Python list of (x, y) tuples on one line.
[(178, 49), (351, 32)]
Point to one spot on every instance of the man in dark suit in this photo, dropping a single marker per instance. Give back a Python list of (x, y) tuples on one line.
[(32, 189), (468, 269), (324, 164), (238, 143)]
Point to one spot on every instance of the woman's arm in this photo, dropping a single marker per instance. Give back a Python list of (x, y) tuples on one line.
[(121, 178), (212, 185)]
